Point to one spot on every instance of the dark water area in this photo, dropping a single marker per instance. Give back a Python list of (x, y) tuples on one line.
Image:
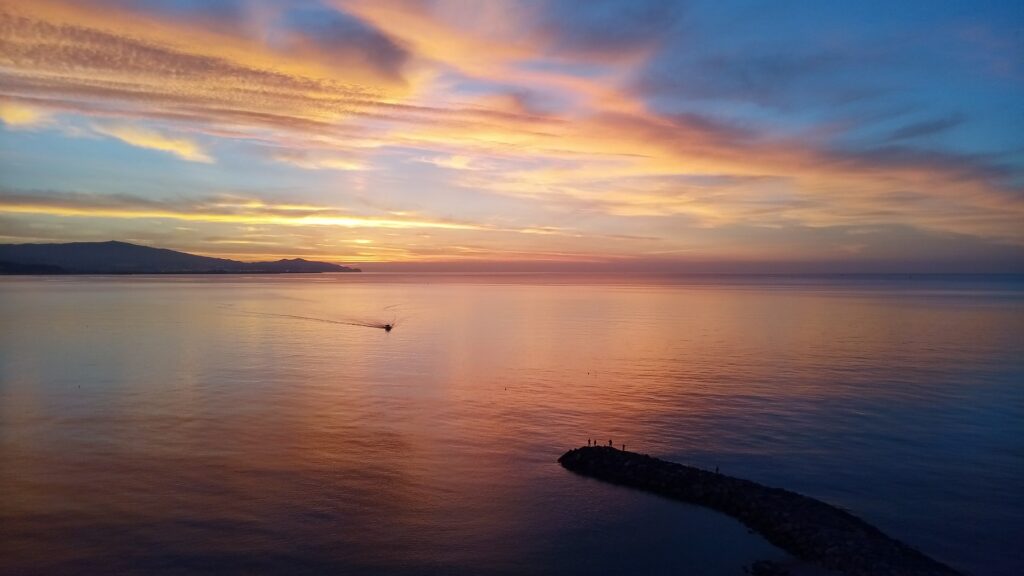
[(185, 425)]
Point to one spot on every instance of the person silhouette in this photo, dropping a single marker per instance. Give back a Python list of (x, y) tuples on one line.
[(610, 442)]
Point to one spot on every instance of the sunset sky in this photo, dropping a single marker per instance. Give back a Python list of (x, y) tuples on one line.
[(674, 136)]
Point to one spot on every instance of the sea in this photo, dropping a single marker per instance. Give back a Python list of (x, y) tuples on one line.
[(261, 425)]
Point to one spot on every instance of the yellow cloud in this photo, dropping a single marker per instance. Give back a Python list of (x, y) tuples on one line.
[(237, 211), (146, 138), (21, 115)]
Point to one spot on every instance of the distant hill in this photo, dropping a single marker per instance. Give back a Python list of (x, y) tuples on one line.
[(124, 258)]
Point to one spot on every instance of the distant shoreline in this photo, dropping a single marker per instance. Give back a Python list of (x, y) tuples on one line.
[(173, 272), (114, 257)]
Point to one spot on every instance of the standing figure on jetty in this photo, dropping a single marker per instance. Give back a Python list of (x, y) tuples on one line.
[(610, 443)]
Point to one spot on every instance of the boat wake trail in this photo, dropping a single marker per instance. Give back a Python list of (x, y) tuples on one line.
[(386, 326)]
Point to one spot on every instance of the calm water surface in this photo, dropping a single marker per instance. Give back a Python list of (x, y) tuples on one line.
[(168, 425)]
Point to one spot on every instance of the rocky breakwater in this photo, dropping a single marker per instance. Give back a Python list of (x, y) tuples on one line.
[(806, 528)]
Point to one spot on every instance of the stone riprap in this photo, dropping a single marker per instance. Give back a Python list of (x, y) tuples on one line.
[(808, 529)]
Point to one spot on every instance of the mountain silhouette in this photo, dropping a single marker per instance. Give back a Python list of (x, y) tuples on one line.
[(115, 257)]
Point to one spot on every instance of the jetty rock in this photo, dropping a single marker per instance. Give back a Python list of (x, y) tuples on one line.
[(807, 528)]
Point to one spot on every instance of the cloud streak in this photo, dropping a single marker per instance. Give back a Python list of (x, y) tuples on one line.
[(232, 209), (319, 160), (181, 147)]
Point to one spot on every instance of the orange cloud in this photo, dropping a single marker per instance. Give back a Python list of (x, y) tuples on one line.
[(156, 67)]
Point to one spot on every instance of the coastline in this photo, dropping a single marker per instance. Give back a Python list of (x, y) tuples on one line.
[(175, 272)]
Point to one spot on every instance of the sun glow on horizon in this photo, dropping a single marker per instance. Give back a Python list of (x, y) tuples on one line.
[(421, 131)]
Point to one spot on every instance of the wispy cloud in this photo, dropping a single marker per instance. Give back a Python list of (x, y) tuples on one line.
[(926, 127), (454, 162), (181, 147), (319, 160), (234, 209)]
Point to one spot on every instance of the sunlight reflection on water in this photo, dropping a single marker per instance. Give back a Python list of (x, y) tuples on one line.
[(158, 424)]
